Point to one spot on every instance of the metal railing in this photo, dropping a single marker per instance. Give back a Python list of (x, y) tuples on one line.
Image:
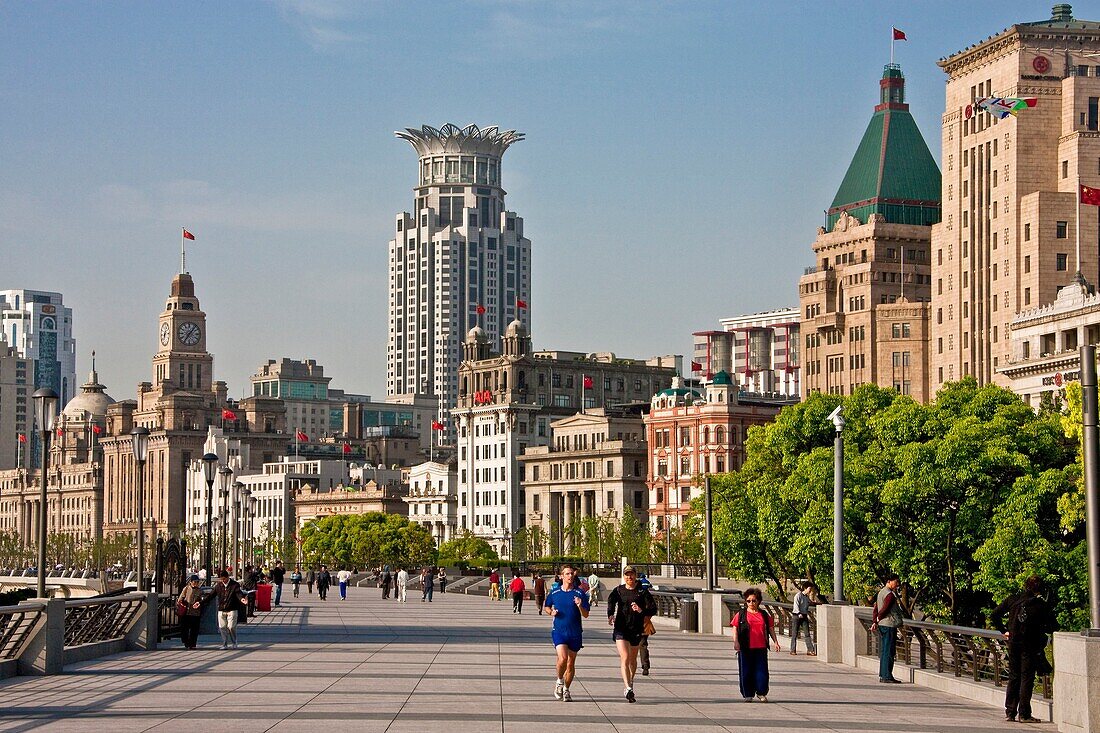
[(101, 619), (16, 625), (782, 613), (168, 625), (669, 604), (978, 654)]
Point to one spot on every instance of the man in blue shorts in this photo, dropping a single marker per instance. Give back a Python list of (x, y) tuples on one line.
[(567, 605)]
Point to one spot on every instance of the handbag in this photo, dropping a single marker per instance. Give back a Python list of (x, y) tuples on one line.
[(181, 607), (649, 629)]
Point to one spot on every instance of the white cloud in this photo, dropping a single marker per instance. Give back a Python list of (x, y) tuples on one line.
[(327, 24)]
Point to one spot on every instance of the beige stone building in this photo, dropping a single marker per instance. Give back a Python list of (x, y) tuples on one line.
[(433, 498), (16, 406), (594, 466), (1006, 243), (386, 496), (864, 305)]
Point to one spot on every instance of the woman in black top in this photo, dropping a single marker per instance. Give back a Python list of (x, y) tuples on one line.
[(629, 606)]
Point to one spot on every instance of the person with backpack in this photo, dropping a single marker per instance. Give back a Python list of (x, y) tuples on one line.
[(1029, 621), (887, 618), (752, 628)]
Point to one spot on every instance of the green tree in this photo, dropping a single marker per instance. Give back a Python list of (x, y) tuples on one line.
[(367, 540), (468, 549), (922, 486)]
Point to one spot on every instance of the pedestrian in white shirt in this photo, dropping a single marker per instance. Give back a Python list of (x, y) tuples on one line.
[(402, 585), (343, 577)]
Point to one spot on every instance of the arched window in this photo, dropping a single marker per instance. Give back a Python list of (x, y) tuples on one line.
[(706, 435), (720, 435)]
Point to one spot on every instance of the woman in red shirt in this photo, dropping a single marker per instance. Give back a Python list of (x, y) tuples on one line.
[(517, 587), (752, 627)]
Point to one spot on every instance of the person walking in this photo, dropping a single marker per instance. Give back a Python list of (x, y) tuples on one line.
[(311, 577), (191, 599), (567, 605), (296, 579), (402, 593), (494, 586), (887, 618), (343, 577), (427, 584), (1029, 621), (442, 577), (518, 589), (800, 618), (752, 628), (278, 574), (230, 597), (594, 589), (629, 608), (386, 582), (324, 580), (538, 585)]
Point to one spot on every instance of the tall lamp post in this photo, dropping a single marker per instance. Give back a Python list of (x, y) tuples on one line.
[(237, 487), (45, 409), (1091, 445), (224, 474), (838, 505), (209, 470), (708, 534), (139, 437), (252, 502)]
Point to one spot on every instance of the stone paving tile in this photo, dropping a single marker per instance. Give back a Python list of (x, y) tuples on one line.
[(371, 665)]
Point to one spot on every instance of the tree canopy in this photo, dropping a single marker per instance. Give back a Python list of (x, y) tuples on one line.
[(933, 492), (468, 549), (367, 540)]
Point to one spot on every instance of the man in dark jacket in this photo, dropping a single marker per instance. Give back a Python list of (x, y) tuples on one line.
[(278, 573), (324, 580), (1029, 621), (230, 597)]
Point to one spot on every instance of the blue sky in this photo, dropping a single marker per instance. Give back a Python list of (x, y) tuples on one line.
[(677, 162)]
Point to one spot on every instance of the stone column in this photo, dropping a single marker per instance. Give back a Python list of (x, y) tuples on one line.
[(1076, 682)]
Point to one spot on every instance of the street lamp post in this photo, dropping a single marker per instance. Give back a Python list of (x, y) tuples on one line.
[(237, 486), (838, 505), (139, 437), (252, 502), (223, 475), (1091, 447), (45, 409), (708, 532), (209, 470)]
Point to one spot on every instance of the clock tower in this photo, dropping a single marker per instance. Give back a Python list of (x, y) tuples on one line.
[(182, 363)]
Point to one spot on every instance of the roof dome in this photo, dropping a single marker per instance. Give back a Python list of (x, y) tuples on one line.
[(516, 328), (476, 335), (722, 378), (93, 400)]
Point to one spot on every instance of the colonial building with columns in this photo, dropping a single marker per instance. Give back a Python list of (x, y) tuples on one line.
[(594, 466), (433, 498)]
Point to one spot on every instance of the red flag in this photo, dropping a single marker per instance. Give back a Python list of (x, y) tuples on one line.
[(60, 432), (301, 436), (480, 309), (347, 448), (96, 429), (228, 414), (1090, 196), (521, 303), (899, 35), (22, 438), (188, 235), (696, 366), (587, 382), (436, 425)]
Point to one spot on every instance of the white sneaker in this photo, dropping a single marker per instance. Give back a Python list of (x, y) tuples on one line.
[(559, 690), (223, 646), (566, 696), (762, 698)]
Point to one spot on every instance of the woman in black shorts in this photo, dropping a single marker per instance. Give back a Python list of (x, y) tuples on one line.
[(629, 606)]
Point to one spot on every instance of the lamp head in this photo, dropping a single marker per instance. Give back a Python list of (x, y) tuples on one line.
[(837, 418), (139, 438), (45, 407), (210, 466)]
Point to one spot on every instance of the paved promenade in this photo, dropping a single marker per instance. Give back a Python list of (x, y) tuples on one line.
[(460, 664)]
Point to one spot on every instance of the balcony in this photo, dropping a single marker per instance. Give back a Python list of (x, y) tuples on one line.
[(827, 321)]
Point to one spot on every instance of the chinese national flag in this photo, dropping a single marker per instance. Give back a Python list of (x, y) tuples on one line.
[(521, 303), (436, 425), (228, 414), (301, 436), (188, 235), (480, 309), (899, 35), (60, 432), (696, 366), (1090, 196), (22, 438), (96, 429), (347, 448), (587, 382)]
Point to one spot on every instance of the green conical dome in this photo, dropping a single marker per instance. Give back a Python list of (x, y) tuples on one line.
[(892, 173)]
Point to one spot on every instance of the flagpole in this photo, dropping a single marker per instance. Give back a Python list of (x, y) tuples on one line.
[(1078, 196), (183, 251), (891, 45), (903, 270)]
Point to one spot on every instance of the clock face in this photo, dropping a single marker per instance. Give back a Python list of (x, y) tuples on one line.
[(188, 333), (165, 334)]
